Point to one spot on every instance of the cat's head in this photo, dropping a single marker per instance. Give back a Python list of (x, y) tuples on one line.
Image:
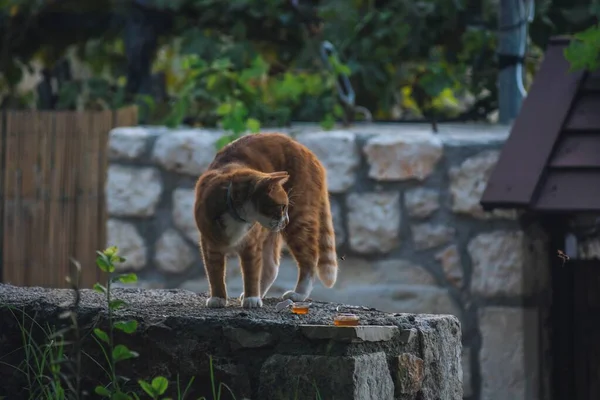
[(270, 201)]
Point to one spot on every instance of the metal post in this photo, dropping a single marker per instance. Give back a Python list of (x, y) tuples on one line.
[(512, 24)]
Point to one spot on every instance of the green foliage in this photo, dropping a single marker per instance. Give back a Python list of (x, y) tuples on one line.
[(249, 63), (584, 50)]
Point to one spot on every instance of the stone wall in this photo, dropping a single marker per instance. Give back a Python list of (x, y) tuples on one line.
[(259, 353), (406, 210)]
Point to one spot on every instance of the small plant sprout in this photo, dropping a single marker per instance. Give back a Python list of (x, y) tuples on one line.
[(114, 353)]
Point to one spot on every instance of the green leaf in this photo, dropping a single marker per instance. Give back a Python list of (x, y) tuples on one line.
[(103, 262), (328, 122), (100, 334), (253, 125), (99, 288), (224, 109), (126, 326), (121, 396), (116, 304), (125, 278), (160, 385), (102, 391), (111, 251), (147, 388), (121, 352)]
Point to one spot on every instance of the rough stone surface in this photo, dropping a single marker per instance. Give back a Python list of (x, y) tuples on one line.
[(373, 221), (130, 243), (338, 222), (355, 334), (173, 255), (467, 183), (186, 151), (509, 368), (396, 271), (128, 143), (339, 155), (409, 375), (403, 155), (421, 202), (451, 263), (356, 378), (426, 235), (246, 339), (177, 334), (506, 263), (183, 213), (466, 372), (132, 192)]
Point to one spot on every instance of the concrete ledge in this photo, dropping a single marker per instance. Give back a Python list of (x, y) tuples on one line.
[(177, 334)]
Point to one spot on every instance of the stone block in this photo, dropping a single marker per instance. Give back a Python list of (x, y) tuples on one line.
[(183, 213), (353, 334), (132, 192), (466, 372), (373, 221), (356, 378), (338, 222), (403, 155), (410, 372), (467, 183), (426, 236), (338, 153), (396, 271), (131, 245), (188, 152), (501, 259), (451, 263), (172, 254), (128, 143), (421, 202), (509, 353)]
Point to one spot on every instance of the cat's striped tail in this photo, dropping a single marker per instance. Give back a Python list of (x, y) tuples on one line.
[(327, 267)]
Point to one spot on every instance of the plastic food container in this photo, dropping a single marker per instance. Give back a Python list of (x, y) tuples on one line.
[(346, 320), (300, 308)]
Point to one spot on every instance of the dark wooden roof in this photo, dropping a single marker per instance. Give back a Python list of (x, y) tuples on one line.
[(551, 160)]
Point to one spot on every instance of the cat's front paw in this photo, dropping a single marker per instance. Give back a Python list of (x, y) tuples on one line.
[(290, 294), (216, 302), (252, 302)]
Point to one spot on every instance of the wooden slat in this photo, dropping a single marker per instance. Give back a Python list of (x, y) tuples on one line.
[(585, 115), (577, 150), (28, 161), (83, 250), (572, 189), (14, 273), (103, 124), (46, 155), (534, 133)]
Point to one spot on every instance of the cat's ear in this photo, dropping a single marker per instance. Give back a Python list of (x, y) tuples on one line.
[(279, 177)]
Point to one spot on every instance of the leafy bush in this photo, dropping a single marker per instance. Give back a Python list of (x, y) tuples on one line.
[(244, 62)]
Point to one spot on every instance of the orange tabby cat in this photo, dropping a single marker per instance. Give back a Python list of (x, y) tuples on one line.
[(243, 205)]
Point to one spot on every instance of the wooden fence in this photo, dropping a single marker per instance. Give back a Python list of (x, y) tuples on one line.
[(52, 207)]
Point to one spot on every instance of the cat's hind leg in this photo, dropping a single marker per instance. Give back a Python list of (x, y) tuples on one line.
[(301, 236)]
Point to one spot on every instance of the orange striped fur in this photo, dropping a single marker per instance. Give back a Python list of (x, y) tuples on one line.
[(259, 190)]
